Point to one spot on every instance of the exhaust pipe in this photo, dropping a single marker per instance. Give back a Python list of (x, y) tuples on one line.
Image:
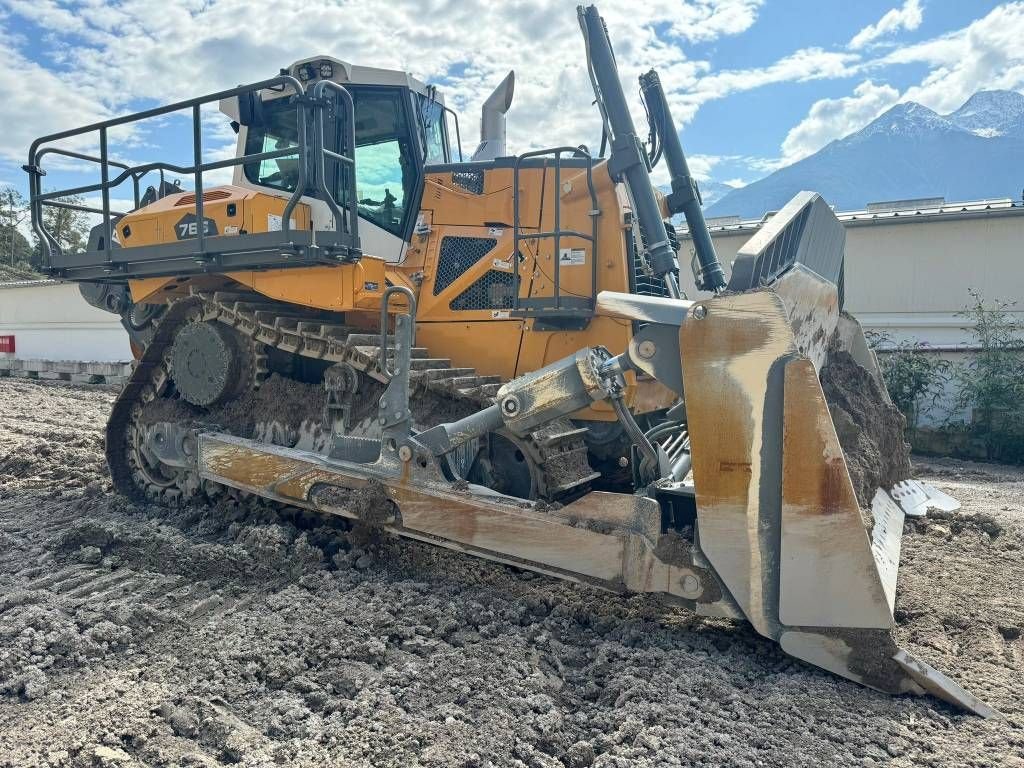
[(492, 120)]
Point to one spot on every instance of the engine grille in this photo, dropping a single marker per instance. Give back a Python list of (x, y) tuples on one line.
[(457, 255), (494, 290), (470, 181)]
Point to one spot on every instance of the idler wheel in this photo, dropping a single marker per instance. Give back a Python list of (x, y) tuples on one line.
[(209, 363)]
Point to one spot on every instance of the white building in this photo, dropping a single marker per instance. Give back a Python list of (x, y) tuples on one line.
[(50, 320)]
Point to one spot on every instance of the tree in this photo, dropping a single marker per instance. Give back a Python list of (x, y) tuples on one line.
[(14, 247), (70, 228), (992, 382)]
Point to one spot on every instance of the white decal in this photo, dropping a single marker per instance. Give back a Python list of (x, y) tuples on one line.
[(274, 223), (572, 257)]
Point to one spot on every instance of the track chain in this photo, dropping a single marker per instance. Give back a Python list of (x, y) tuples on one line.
[(559, 451)]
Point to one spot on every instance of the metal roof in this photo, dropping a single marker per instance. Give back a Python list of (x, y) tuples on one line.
[(895, 215)]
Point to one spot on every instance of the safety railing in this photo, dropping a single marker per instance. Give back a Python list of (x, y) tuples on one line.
[(310, 150), (558, 305)]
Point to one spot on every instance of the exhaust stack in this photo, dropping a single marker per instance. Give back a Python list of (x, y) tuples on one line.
[(492, 120)]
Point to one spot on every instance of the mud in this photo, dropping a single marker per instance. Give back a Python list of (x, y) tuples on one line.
[(134, 635), (869, 427)]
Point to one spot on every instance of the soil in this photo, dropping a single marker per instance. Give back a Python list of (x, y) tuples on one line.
[(137, 635), (870, 428)]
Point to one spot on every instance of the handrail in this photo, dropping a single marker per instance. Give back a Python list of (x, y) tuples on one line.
[(309, 149), (410, 297), (37, 198), (557, 233), (348, 143)]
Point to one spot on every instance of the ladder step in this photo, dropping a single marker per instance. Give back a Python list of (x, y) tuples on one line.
[(364, 340), (472, 382), (562, 437), (428, 363), (443, 374)]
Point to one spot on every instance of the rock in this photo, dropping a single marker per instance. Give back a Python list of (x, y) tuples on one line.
[(579, 755), (110, 757), (89, 554), (364, 561)]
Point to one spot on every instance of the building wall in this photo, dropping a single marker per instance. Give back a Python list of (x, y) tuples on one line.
[(909, 279), (51, 321)]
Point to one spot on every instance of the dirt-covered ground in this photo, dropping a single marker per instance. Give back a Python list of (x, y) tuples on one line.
[(134, 635)]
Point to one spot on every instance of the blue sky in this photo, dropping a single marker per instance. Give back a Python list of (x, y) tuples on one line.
[(753, 83)]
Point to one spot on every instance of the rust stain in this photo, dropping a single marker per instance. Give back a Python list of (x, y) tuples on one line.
[(816, 480), (245, 466)]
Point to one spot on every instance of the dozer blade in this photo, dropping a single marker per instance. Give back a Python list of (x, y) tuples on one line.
[(778, 518)]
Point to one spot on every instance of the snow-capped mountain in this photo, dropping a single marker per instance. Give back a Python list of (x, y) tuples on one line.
[(991, 113), (907, 152)]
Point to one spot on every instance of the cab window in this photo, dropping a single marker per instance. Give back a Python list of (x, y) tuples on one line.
[(386, 166), (385, 162)]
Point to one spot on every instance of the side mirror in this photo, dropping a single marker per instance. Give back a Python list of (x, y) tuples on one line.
[(250, 108)]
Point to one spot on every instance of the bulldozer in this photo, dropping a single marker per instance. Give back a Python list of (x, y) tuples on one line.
[(494, 355)]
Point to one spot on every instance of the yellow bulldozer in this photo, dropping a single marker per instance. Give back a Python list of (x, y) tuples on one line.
[(494, 355)]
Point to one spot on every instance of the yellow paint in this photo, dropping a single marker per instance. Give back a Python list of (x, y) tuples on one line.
[(484, 337)]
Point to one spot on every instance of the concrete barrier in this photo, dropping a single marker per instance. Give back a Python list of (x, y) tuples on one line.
[(72, 371)]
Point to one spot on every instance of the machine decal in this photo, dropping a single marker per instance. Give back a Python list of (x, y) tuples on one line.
[(188, 227)]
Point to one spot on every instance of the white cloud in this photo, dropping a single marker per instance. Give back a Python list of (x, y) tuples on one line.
[(830, 119), (908, 16), (157, 52), (987, 54)]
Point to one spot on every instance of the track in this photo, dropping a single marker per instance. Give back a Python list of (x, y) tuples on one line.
[(556, 458)]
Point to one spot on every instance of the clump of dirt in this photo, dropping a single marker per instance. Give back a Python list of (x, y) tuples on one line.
[(278, 399), (870, 428)]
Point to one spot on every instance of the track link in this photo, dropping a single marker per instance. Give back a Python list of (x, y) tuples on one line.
[(559, 451)]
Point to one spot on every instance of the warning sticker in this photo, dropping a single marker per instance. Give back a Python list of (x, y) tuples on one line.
[(502, 265), (500, 314), (274, 223), (495, 231), (572, 257)]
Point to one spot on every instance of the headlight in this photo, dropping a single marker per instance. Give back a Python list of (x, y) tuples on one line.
[(326, 69)]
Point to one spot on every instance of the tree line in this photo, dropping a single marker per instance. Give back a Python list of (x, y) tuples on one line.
[(22, 256)]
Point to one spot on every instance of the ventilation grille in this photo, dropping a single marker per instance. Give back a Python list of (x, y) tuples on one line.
[(214, 194), (457, 255), (495, 290), (643, 283), (471, 181), (781, 253)]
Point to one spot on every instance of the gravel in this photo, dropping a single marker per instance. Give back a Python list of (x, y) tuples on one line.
[(134, 635)]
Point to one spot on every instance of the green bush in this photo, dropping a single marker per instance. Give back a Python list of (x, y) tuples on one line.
[(914, 375), (991, 383)]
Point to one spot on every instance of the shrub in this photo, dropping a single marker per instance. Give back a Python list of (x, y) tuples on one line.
[(991, 383), (914, 375)]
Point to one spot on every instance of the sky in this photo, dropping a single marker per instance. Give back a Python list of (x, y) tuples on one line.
[(753, 84)]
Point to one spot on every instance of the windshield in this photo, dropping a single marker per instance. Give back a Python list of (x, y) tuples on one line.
[(386, 169)]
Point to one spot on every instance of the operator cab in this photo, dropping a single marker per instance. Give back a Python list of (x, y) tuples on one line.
[(400, 127)]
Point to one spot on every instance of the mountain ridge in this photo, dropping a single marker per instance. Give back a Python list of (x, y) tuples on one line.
[(908, 151)]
